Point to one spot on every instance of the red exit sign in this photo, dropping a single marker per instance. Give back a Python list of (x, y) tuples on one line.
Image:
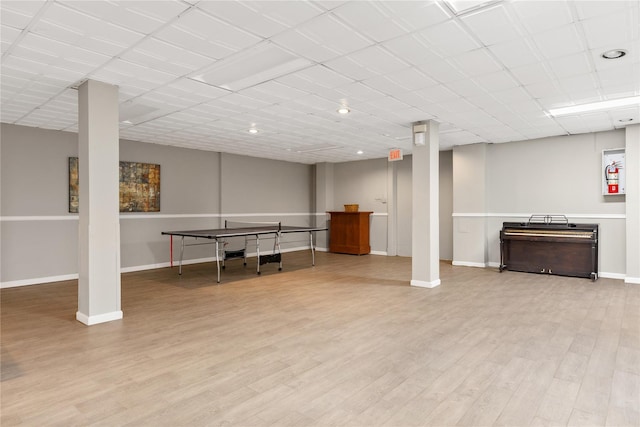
[(395, 154)]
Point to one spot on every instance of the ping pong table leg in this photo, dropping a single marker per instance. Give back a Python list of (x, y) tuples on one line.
[(313, 252), (277, 243), (181, 253), (258, 253), (218, 259), (171, 251)]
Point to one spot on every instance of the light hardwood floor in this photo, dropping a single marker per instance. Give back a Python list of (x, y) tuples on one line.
[(345, 343)]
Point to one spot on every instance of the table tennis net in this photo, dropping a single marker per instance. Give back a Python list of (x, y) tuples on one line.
[(252, 225)]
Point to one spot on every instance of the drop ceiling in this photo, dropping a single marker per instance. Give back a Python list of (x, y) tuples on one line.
[(200, 74)]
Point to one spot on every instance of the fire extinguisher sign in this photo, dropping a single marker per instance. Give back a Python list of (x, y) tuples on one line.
[(613, 172)]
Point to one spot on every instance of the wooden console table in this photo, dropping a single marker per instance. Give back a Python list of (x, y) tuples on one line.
[(349, 233)]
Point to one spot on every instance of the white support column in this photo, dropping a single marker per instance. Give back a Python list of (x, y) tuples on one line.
[(632, 203), (99, 222), (392, 208), (425, 246), (323, 200)]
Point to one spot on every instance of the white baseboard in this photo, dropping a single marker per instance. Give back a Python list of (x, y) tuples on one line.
[(384, 253), (74, 276), (468, 264), (423, 284), (632, 280), (38, 280), (606, 275), (100, 318)]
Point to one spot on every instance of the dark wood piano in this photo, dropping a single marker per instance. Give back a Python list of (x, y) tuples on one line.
[(549, 244)]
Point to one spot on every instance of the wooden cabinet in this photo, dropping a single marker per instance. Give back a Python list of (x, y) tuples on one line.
[(349, 233)]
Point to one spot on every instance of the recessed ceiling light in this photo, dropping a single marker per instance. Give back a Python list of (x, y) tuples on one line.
[(360, 152), (595, 106), (344, 107), (253, 130), (614, 54)]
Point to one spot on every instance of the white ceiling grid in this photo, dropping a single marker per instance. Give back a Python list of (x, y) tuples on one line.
[(199, 74)]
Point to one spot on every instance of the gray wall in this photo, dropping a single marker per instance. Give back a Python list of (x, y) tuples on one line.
[(559, 175), (365, 183), (40, 237), (480, 187)]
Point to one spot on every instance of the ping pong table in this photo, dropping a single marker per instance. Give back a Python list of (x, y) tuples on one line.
[(219, 237)]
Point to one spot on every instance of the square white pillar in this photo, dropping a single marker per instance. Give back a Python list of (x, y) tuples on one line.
[(99, 213), (425, 250)]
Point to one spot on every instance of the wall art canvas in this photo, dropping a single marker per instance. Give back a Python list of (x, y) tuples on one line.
[(74, 190), (139, 186)]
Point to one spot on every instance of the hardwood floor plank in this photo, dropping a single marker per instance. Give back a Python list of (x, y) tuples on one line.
[(347, 343)]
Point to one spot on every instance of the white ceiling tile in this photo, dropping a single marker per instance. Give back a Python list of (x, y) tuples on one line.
[(134, 70), (541, 16), (413, 50), (468, 88), (517, 94), (125, 17), (158, 54), (437, 94), (89, 26), (449, 39), (7, 36), (350, 68), (500, 80), (492, 25), (274, 91), (304, 46), (387, 85), (369, 19), (25, 8), (544, 89), (324, 76), (476, 62), (288, 13), (515, 53), (360, 92), (615, 77), (184, 39), (578, 83), (378, 60), (244, 17), (411, 78), (549, 47), (442, 71), (598, 8), (530, 74), (571, 65), (13, 19), (416, 15), (612, 29), (458, 105)]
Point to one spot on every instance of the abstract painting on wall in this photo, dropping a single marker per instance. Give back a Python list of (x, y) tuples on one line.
[(139, 186), (74, 190)]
